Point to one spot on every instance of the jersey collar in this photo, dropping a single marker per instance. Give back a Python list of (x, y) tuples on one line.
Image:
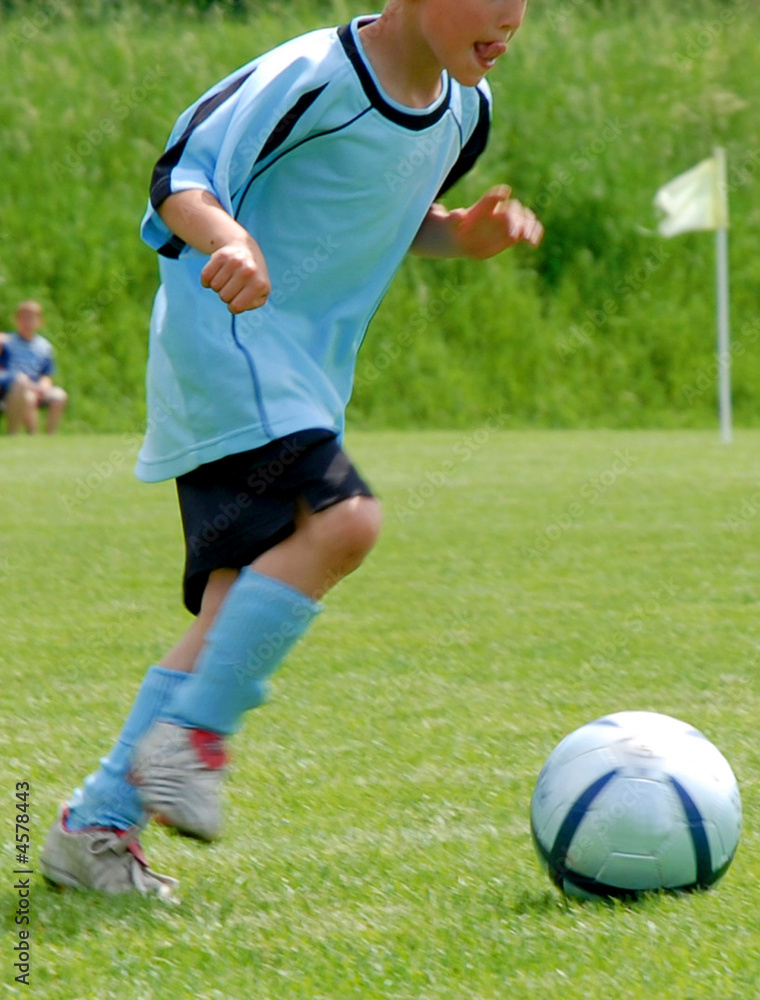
[(416, 120)]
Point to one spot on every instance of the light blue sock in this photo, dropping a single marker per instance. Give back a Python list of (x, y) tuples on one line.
[(259, 622), (107, 798)]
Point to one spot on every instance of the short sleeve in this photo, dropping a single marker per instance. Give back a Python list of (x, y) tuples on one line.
[(45, 357), (477, 140), (219, 140)]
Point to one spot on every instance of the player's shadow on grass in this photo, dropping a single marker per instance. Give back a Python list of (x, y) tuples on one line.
[(551, 901), (539, 904), (526, 902)]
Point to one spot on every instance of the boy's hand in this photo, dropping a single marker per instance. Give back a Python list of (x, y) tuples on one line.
[(237, 272), (495, 223), (236, 269)]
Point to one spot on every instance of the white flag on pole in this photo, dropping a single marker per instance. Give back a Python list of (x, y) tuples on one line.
[(695, 200), (692, 202)]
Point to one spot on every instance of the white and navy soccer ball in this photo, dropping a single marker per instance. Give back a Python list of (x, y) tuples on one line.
[(635, 802)]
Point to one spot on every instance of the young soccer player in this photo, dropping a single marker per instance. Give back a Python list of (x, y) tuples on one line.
[(284, 203)]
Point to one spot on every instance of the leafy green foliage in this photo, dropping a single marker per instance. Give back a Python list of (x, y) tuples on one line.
[(596, 107)]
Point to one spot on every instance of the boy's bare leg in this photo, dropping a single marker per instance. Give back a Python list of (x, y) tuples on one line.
[(56, 403), (324, 548), (183, 655), (20, 406), (179, 764)]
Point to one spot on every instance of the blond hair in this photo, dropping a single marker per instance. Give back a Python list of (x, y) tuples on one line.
[(29, 305)]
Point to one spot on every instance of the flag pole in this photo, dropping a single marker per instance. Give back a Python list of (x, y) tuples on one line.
[(724, 336)]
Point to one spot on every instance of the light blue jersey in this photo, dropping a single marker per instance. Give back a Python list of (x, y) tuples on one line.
[(333, 179)]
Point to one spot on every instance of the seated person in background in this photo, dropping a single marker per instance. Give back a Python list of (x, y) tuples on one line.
[(26, 370)]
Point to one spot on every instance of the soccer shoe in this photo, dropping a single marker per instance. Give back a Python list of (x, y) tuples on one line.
[(100, 858), (178, 774)]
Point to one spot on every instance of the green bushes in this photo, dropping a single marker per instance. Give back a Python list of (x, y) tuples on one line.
[(597, 105)]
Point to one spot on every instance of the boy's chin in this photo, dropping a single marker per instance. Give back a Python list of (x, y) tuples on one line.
[(468, 78), (469, 72)]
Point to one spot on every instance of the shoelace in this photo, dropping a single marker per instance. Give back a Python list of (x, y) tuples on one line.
[(120, 842), (143, 876)]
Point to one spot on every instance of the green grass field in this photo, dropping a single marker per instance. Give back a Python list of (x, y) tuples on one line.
[(377, 843)]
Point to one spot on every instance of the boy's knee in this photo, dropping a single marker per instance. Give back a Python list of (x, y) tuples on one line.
[(57, 396), (365, 519), (348, 531)]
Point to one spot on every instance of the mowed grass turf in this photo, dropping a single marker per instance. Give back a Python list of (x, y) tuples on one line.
[(377, 841)]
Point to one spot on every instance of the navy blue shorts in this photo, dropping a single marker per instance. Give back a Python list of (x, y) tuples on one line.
[(238, 507)]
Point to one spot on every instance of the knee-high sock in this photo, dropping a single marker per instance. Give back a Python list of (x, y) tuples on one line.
[(259, 622), (107, 798)]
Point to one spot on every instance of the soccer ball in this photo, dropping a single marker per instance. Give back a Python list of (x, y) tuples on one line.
[(632, 802)]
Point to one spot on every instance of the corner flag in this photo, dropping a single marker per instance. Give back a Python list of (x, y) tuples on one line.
[(695, 201)]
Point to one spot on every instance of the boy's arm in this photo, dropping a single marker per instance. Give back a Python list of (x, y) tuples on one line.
[(236, 269), (491, 225)]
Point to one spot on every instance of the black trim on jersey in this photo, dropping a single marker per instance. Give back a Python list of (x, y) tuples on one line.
[(160, 185), (472, 148), (172, 248), (301, 142), (415, 123), (287, 123)]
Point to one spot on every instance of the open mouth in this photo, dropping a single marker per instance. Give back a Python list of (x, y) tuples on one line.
[(488, 52)]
